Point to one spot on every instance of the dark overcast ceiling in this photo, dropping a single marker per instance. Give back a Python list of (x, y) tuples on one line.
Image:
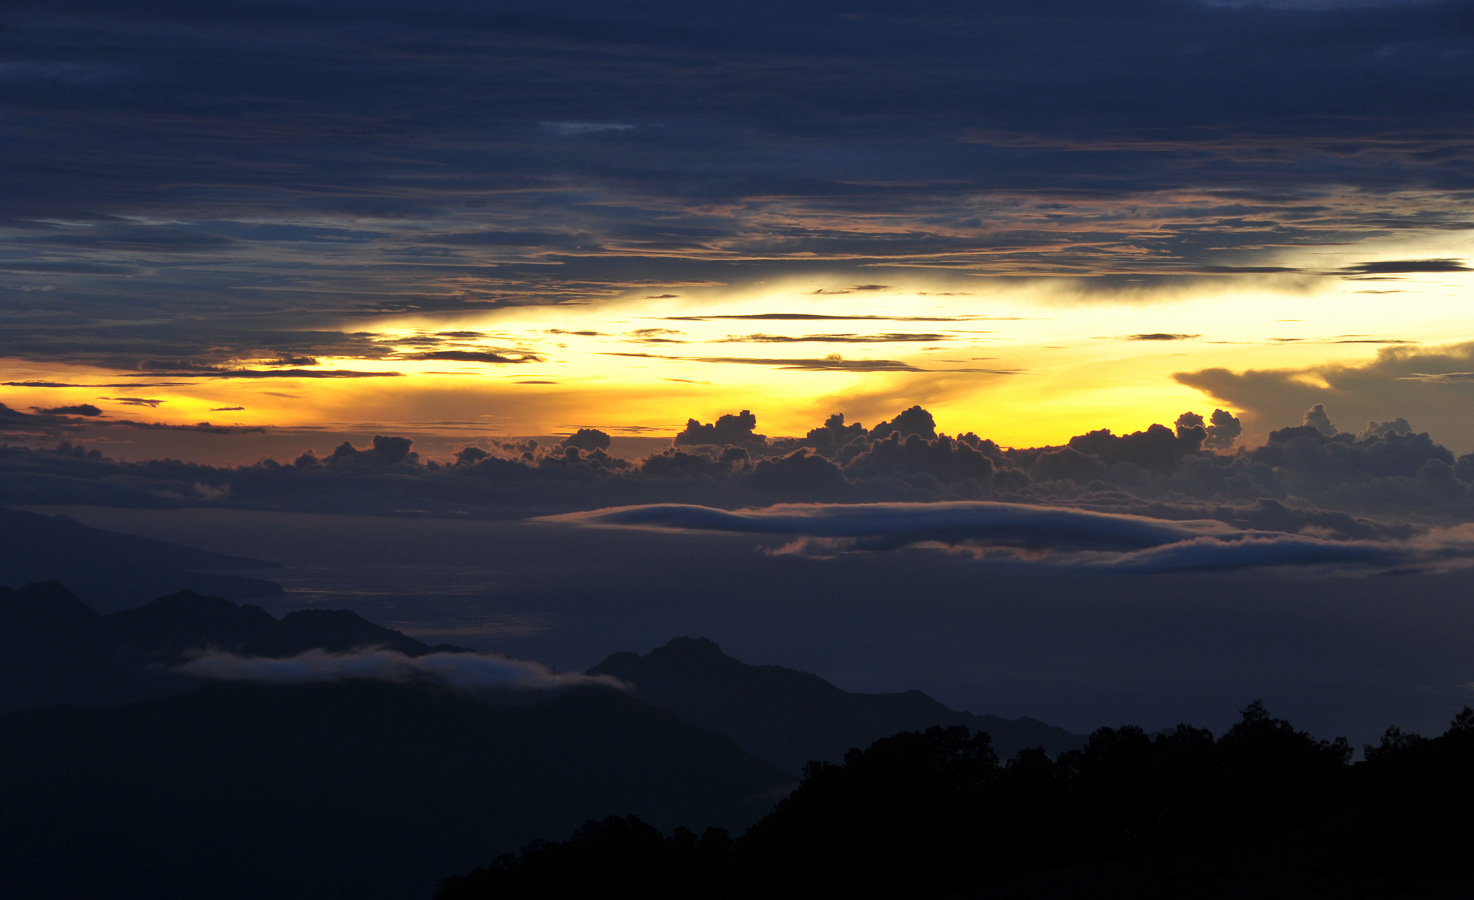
[(321, 158)]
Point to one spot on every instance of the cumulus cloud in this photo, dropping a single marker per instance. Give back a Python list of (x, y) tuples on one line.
[(1316, 417), (728, 429), (1324, 480), (1420, 384), (470, 672), (588, 439)]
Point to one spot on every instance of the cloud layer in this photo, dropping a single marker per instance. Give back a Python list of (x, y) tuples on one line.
[(184, 175), (1309, 478), (470, 672), (1051, 536)]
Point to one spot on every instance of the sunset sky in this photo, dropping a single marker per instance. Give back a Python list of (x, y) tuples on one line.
[(336, 285), (462, 220)]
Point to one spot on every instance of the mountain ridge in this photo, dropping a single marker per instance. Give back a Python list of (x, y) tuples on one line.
[(111, 571), (791, 717), (57, 650)]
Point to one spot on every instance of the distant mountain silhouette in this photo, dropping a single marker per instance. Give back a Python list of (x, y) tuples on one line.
[(355, 789), (790, 717), (55, 649), (112, 571)]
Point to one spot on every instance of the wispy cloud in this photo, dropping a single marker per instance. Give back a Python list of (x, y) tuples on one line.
[(459, 671), (886, 338), (1405, 267)]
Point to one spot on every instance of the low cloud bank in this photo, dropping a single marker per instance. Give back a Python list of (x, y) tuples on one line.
[(1056, 536), (471, 672), (1310, 470)]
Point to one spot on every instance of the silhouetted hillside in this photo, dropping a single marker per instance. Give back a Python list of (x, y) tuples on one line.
[(791, 717), (112, 571), (358, 789), (1263, 811), (54, 649)]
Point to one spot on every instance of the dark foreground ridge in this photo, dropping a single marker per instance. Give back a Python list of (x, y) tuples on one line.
[(1263, 811), (364, 788), (789, 717), (342, 790)]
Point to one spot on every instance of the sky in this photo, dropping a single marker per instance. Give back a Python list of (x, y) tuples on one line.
[(465, 219), (1123, 305)]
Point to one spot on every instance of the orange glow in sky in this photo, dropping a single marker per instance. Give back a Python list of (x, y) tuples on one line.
[(1024, 362)]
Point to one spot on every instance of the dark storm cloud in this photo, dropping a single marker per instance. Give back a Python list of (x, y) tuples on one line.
[(329, 160), (1161, 336)]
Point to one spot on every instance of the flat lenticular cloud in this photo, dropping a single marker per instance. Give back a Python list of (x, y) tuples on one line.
[(1072, 538), (459, 671), (900, 524)]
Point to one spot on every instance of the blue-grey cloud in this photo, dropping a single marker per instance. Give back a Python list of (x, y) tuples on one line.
[(900, 524), (1041, 535), (326, 162), (1303, 479)]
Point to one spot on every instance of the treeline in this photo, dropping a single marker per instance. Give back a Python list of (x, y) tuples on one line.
[(1264, 810)]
